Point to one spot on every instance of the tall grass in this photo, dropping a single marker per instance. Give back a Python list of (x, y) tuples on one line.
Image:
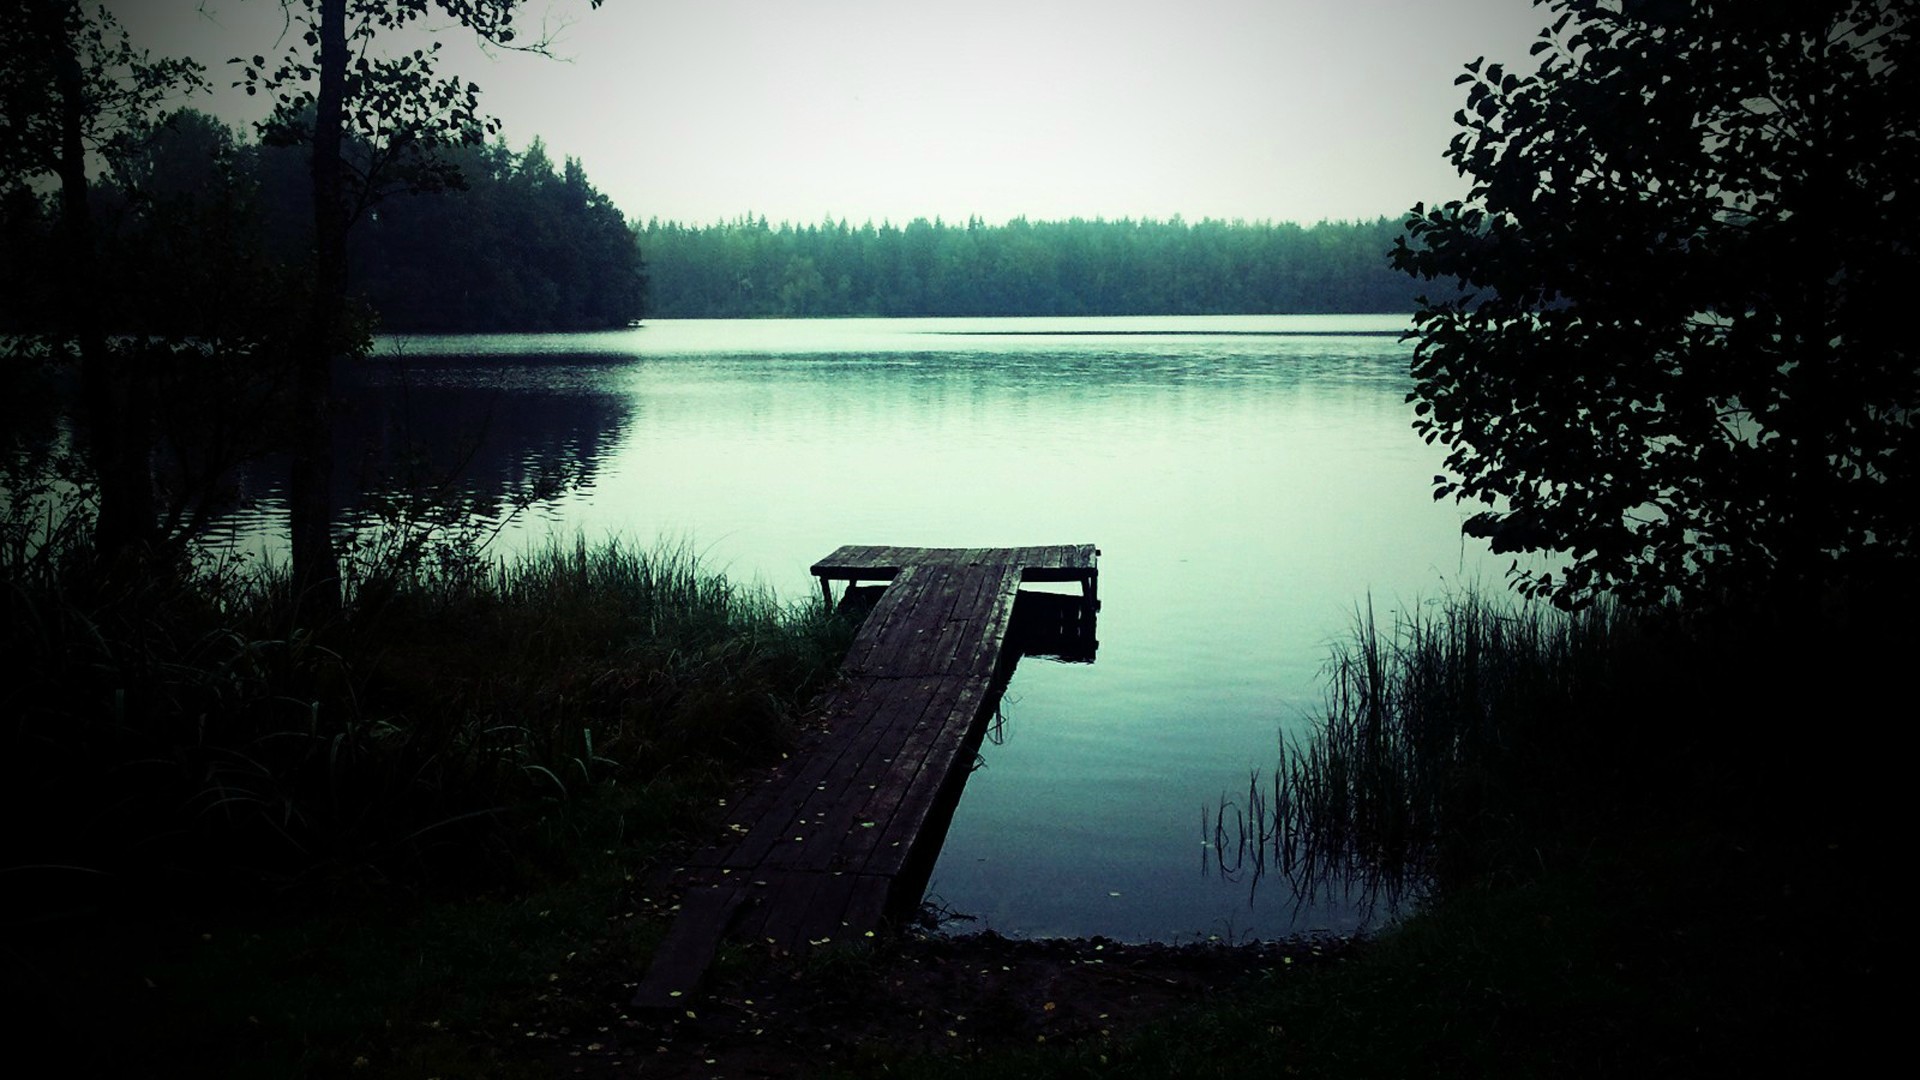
[(193, 727), (1457, 743)]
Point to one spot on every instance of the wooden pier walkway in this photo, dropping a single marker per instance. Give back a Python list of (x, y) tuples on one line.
[(844, 836)]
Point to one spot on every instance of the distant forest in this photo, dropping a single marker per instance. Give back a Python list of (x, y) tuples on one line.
[(1075, 267)]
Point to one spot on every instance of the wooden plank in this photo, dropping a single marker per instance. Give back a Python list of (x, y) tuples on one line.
[(786, 909), (870, 797), (902, 649), (950, 714), (962, 650), (859, 562), (751, 926), (914, 723), (786, 833), (893, 608), (868, 905), (838, 563), (984, 659), (824, 772), (963, 640), (1064, 562), (909, 599), (897, 838), (865, 813), (819, 921), (828, 811), (688, 949), (865, 558)]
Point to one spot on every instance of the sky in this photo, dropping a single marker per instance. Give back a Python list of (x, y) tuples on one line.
[(887, 110)]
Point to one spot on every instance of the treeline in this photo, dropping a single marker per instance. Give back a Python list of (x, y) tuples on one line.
[(195, 217), (1076, 267)]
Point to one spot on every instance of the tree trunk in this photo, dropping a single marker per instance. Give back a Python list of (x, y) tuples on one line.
[(316, 567), (116, 400)]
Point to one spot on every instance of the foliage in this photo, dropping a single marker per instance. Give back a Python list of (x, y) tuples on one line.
[(505, 245), (332, 89), (73, 86), (397, 109), (119, 86), (46, 490), (190, 296), (201, 227), (1672, 357), (1655, 854), (521, 246), (745, 268)]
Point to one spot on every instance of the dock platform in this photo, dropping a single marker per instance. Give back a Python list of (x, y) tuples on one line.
[(842, 838)]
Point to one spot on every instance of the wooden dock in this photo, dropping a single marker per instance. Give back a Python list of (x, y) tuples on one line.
[(844, 836)]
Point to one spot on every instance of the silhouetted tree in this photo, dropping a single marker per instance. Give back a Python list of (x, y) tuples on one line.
[(72, 85), (330, 85), (198, 300), (1673, 356), (518, 247)]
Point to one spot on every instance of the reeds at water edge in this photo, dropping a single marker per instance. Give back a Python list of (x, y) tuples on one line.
[(1449, 742)]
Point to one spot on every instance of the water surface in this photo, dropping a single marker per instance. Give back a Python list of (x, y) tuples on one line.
[(1249, 481)]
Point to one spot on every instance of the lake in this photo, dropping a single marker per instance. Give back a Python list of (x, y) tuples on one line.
[(1250, 482)]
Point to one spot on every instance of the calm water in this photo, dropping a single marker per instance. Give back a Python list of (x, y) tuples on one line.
[(1248, 480)]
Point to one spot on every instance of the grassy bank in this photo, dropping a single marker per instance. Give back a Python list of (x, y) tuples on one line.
[(242, 842), (1651, 843), (408, 843)]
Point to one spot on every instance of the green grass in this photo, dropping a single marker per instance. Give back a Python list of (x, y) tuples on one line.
[(196, 723), (240, 844)]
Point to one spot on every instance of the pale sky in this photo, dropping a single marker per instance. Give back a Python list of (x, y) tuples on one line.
[(803, 110)]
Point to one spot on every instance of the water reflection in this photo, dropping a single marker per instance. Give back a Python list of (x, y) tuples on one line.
[(488, 438), (413, 424), (1261, 841), (1246, 490)]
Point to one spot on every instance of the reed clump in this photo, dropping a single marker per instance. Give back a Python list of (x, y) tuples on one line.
[(1475, 741)]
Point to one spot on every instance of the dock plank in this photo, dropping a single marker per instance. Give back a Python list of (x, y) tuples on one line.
[(783, 836), (688, 948), (832, 809), (838, 840)]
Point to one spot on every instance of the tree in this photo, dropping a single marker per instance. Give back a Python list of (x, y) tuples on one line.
[(518, 248), (1671, 357), (73, 92), (330, 84), (197, 299)]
